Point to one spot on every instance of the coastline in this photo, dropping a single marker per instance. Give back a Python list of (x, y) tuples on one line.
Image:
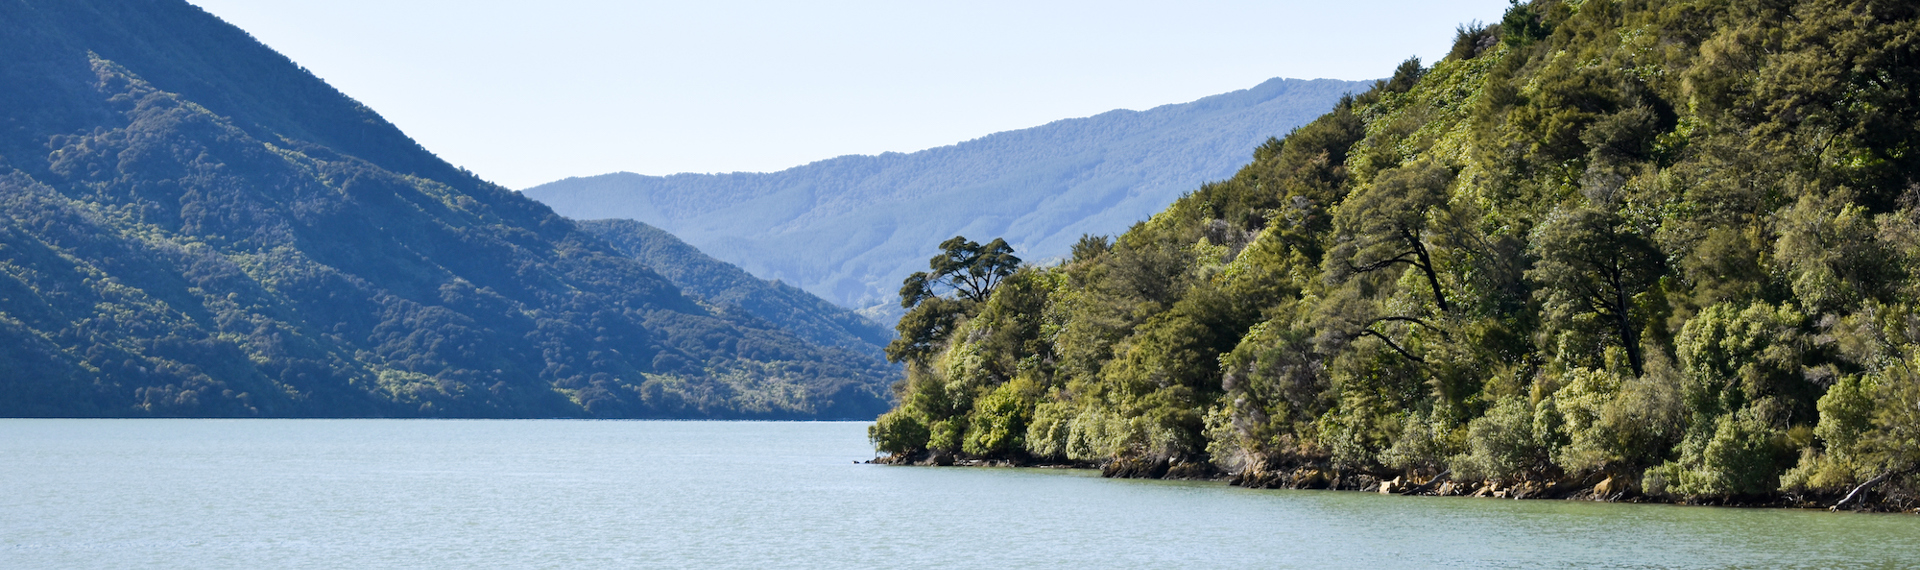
[(1594, 488)]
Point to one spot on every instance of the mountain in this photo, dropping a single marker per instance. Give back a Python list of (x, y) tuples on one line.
[(849, 229), (193, 225), (1659, 250), (722, 284)]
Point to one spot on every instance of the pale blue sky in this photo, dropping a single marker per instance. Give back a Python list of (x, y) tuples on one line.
[(525, 92)]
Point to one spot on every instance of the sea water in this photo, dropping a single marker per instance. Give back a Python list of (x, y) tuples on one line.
[(647, 494)]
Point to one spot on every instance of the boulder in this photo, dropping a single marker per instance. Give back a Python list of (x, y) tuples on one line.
[(1605, 488)]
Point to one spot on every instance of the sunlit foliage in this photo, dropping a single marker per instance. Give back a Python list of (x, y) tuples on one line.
[(1665, 242)]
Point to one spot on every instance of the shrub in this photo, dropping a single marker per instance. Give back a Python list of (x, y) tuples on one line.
[(899, 432), (1742, 457), (1501, 444)]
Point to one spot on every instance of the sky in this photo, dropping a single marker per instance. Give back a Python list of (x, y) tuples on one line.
[(525, 92)]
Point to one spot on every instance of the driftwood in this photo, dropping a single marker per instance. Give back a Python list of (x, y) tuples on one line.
[(1430, 482), (1869, 485)]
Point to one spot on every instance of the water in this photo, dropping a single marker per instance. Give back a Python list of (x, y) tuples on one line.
[(610, 494)]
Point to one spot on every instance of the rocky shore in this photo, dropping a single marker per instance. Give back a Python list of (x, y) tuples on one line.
[(1597, 487)]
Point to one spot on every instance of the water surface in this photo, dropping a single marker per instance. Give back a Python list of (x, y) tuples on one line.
[(617, 494)]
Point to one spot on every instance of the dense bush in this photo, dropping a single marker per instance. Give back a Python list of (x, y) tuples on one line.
[(1663, 241)]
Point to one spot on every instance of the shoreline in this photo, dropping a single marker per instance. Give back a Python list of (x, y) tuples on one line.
[(1593, 488)]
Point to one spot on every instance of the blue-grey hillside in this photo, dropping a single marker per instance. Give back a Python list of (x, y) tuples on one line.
[(193, 225), (850, 228), (729, 288)]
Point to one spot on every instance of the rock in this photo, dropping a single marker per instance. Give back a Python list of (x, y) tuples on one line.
[(1254, 478), (1496, 490), (1310, 479), (1389, 487), (1524, 490), (1189, 470), (1447, 489), (1605, 488)]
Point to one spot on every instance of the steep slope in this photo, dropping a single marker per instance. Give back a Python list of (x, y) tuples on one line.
[(723, 284), (1666, 249), (848, 229), (190, 225)]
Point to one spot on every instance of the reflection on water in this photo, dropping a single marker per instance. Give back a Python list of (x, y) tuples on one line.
[(585, 494)]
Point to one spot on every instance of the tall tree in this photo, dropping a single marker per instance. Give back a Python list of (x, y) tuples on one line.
[(965, 268), (968, 269), (1592, 264), (1387, 224)]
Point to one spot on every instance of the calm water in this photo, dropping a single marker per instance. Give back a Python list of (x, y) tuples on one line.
[(607, 494)]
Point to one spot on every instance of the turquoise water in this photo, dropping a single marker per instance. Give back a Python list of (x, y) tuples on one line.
[(616, 494)]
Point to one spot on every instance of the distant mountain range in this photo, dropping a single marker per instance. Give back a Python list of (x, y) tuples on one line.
[(850, 228), (193, 225)]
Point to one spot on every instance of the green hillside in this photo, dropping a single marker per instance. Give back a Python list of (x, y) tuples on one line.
[(1654, 248), (732, 288), (192, 225)]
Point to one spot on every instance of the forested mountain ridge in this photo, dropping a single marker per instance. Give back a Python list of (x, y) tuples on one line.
[(1660, 249), (849, 228), (723, 284), (191, 225)]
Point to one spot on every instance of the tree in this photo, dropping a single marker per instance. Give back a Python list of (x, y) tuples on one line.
[(1386, 224), (1591, 264), (969, 270), (966, 268)]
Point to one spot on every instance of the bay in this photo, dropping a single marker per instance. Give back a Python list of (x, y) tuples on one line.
[(647, 494)]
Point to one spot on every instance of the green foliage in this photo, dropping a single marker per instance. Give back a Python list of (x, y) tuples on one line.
[(998, 423), (922, 328), (1091, 246), (1734, 357), (1663, 241), (1470, 40), (1869, 427), (1619, 424), (1524, 24), (1502, 444), (899, 431), (965, 268), (1592, 273), (1388, 225), (1741, 457), (1424, 444)]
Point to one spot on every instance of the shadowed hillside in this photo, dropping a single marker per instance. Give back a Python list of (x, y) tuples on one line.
[(725, 285), (192, 225)]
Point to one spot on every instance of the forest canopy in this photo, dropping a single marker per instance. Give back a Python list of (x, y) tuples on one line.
[(1665, 244)]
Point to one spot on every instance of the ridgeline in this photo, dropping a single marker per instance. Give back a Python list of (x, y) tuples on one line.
[(849, 228)]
